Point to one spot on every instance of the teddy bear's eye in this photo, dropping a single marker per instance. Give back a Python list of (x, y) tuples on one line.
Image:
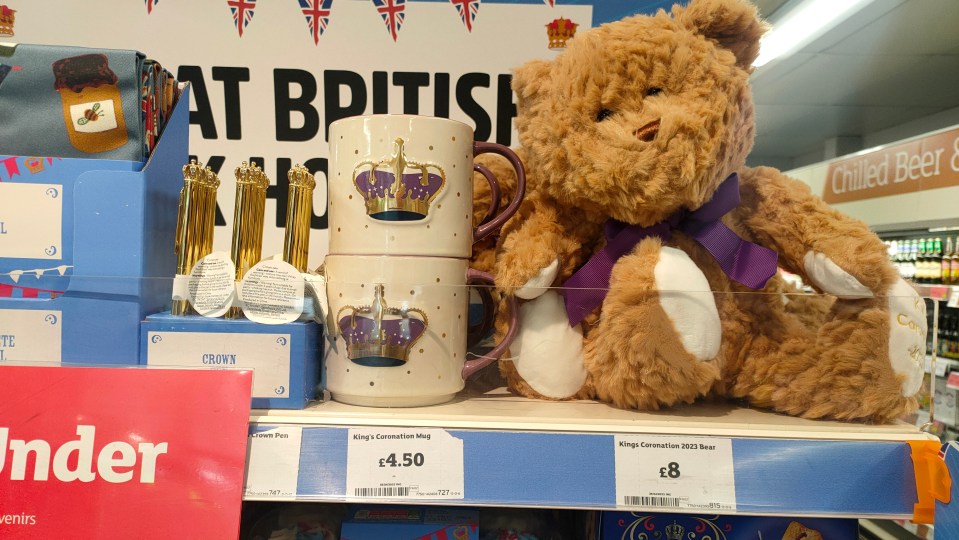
[(603, 114), (654, 91)]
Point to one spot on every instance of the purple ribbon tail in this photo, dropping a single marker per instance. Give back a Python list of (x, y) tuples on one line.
[(746, 263)]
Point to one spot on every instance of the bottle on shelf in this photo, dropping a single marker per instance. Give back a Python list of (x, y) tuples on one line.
[(910, 264), (922, 262), (935, 262), (954, 264), (945, 266)]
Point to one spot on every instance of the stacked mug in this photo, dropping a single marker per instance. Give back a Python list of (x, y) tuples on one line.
[(397, 273)]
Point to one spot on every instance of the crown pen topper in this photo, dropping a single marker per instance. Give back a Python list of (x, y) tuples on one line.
[(393, 194), (7, 18), (559, 32), (373, 339)]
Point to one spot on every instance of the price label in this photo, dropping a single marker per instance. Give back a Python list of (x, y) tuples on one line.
[(667, 472), (404, 463), (273, 464), (953, 301)]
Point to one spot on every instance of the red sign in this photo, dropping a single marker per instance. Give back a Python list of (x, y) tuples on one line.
[(104, 453)]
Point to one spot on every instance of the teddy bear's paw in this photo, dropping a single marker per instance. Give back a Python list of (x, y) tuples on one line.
[(907, 336), (548, 353), (685, 296), (829, 277), (538, 284)]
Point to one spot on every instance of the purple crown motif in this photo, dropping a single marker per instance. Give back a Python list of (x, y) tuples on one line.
[(376, 341), (393, 194)]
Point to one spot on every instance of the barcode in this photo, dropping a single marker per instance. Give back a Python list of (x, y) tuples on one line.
[(382, 492), (632, 500)]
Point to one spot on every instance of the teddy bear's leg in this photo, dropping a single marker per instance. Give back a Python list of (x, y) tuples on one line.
[(659, 333), (863, 363)]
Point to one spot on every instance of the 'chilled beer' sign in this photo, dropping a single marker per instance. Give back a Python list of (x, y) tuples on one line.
[(920, 164)]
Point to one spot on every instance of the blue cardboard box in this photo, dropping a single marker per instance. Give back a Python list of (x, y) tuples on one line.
[(285, 358), (630, 525), (89, 242), (367, 522)]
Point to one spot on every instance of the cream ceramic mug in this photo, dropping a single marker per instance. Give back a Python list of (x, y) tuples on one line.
[(397, 329), (403, 185)]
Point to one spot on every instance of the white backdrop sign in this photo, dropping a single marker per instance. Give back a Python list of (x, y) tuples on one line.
[(269, 76)]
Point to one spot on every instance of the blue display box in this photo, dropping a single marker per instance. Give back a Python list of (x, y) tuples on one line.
[(91, 243), (285, 358), (365, 522), (636, 525)]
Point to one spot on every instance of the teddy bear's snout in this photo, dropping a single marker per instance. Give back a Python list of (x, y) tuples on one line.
[(648, 132)]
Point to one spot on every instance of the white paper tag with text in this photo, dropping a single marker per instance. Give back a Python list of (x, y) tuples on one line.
[(673, 472), (387, 463), (273, 465)]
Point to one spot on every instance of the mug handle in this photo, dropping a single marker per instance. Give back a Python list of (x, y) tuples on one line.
[(470, 367), (488, 227), (495, 194)]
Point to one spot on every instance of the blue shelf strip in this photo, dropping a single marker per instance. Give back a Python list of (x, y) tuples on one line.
[(773, 476)]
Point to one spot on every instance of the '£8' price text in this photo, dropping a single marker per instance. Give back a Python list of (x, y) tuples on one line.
[(406, 460)]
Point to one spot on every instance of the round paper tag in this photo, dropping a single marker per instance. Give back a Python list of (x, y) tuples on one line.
[(211, 286), (272, 293)]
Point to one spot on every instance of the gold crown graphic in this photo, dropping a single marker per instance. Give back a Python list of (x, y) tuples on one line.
[(7, 17), (674, 531), (560, 31), (34, 164), (373, 339), (392, 194)]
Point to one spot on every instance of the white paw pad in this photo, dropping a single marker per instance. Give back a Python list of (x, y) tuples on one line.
[(689, 303), (829, 277), (538, 284), (548, 353), (907, 335)]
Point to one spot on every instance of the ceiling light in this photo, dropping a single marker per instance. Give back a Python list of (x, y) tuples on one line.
[(804, 23)]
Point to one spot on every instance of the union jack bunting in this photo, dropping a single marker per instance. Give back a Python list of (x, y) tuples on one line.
[(317, 13), (392, 13), (242, 13), (467, 10), (150, 4)]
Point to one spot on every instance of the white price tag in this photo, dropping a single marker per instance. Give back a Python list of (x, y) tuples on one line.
[(273, 464), (953, 298), (410, 463), (672, 472)]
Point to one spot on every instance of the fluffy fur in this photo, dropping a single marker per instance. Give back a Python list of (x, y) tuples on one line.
[(646, 116)]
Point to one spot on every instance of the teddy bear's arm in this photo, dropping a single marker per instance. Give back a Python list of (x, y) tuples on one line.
[(829, 250), (541, 236)]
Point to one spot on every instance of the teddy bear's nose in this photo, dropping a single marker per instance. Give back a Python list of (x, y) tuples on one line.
[(648, 132)]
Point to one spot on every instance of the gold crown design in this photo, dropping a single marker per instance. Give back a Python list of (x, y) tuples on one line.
[(674, 531), (196, 172), (7, 18), (395, 191), (300, 176), (34, 164), (375, 340), (560, 31), (251, 174)]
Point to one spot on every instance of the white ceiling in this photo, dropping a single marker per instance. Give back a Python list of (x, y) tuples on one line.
[(893, 62)]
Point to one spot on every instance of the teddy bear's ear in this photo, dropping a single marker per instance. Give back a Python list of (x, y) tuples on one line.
[(734, 24), (531, 80)]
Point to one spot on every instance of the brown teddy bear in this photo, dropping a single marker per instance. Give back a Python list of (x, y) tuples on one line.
[(647, 251)]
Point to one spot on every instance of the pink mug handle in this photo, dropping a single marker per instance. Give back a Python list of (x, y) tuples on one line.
[(491, 225), (470, 367), (495, 194)]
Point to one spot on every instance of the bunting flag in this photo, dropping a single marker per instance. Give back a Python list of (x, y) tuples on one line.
[(242, 13), (467, 10), (15, 275), (551, 3), (317, 13), (150, 4), (392, 13)]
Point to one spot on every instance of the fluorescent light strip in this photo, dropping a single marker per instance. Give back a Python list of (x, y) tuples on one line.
[(805, 22)]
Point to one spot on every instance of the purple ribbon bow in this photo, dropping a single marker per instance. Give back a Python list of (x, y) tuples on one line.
[(743, 261)]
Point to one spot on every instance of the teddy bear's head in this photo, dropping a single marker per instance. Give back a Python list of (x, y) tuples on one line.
[(644, 116)]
